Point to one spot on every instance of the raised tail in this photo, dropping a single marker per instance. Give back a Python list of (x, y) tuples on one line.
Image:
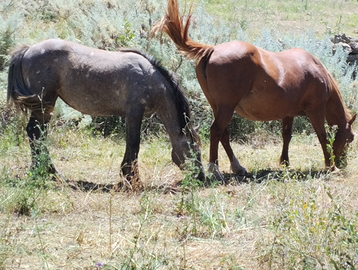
[(17, 92), (173, 24)]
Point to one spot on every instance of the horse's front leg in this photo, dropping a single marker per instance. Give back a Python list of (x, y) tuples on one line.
[(130, 160), (37, 128), (317, 120), (287, 123)]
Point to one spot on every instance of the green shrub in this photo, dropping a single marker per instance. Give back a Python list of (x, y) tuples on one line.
[(113, 24)]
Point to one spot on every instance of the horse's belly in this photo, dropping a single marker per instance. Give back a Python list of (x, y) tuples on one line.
[(88, 104), (263, 110)]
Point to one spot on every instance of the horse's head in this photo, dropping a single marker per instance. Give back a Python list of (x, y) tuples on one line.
[(344, 137), (186, 153)]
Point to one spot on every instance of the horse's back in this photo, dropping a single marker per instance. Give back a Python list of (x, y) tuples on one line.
[(90, 80), (264, 85), (241, 56)]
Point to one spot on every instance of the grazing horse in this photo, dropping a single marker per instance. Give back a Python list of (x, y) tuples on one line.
[(261, 86), (126, 83)]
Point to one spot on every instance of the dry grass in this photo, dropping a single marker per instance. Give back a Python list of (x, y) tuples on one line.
[(222, 227)]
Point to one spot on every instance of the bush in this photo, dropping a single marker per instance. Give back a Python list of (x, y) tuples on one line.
[(113, 24)]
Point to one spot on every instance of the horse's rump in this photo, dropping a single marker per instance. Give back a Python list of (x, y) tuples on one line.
[(17, 92)]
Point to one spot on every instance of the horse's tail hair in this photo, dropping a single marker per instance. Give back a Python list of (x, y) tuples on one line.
[(17, 92), (173, 24)]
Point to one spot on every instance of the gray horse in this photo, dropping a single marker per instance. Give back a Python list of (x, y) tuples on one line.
[(126, 83)]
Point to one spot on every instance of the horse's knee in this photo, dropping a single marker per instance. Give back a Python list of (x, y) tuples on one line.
[(216, 131), (33, 129), (36, 128)]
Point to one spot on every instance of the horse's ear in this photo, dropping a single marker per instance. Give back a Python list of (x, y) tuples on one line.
[(352, 120)]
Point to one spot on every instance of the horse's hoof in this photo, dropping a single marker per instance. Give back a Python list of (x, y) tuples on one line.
[(49, 169), (130, 183), (241, 172), (201, 177), (334, 169), (215, 172), (217, 176), (284, 163), (237, 168)]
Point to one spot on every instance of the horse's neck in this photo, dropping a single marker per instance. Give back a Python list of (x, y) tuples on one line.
[(336, 111), (170, 117)]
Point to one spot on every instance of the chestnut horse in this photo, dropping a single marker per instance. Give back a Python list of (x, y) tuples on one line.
[(261, 86), (99, 83)]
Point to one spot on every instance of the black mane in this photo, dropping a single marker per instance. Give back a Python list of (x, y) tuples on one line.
[(182, 102)]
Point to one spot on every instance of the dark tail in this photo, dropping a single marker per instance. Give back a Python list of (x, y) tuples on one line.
[(17, 92), (172, 24)]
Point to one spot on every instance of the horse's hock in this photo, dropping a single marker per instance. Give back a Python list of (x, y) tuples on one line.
[(349, 44)]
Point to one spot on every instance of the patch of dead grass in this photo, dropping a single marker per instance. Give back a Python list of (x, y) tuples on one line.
[(76, 229)]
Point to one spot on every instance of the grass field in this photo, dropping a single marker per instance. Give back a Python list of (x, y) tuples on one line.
[(276, 219), (300, 217), (292, 17)]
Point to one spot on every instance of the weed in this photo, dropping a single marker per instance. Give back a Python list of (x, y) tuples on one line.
[(25, 193), (188, 204), (310, 231), (331, 136)]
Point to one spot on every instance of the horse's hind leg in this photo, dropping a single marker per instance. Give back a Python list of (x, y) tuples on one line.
[(235, 164), (37, 128), (287, 123), (219, 132)]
